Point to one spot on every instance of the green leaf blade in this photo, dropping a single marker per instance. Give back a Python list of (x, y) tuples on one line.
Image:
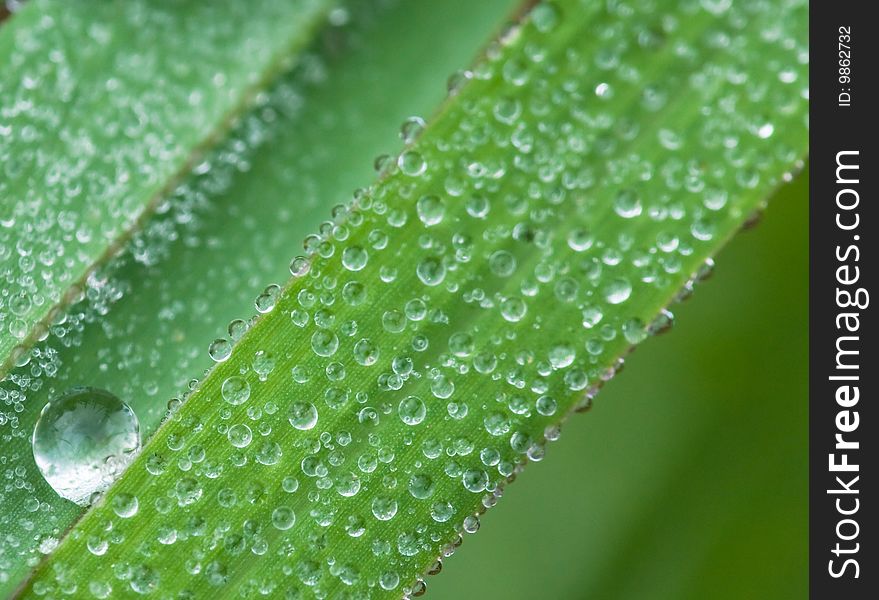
[(601, 202)]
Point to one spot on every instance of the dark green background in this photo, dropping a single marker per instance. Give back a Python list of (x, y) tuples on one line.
[(688, 478)]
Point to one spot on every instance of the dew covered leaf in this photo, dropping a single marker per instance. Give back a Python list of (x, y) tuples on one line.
[(101, 106), (150, 313), (437, 333)]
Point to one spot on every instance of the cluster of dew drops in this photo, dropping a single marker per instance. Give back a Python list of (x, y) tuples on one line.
[(530, 390)]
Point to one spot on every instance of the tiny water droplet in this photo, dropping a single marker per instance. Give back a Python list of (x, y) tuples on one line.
[(412, 410), (235, 390), (125, 505), (411, 129), (618, 291), (240, 435), (302, 415), (220, 349), (411, 163), (283, 518)]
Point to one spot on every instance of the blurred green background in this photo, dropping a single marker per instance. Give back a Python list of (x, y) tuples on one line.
[(688, 478)]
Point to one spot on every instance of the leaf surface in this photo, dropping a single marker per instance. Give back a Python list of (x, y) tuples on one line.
[(439, 331)]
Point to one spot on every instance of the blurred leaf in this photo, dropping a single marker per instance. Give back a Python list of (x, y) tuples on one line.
[(579, 177), (102, 106)]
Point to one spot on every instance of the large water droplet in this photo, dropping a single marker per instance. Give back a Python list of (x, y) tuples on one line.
[(83, 440)]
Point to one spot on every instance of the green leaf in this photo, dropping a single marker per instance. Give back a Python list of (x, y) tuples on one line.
[(150, 314), (103, 106), (439, 332)]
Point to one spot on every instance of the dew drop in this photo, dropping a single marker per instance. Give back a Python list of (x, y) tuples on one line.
[(235, 390), (365, 352), (324, 342), (384, 508), (240, 435), (268, 453), (302, 415), (83, 440), (545, 17), (220, 349), (431, 271), (411, 129), (144, 580), (354, 258), (389, 580), (627, 204), (421, 486), (618, 291), (441, 511), (283, 518), (125, 505), (474, 480), (412, 410), (765, 131), (502, 263), (634, 331), (431, 210), (561, 356), (580, 240), (347, 484), (411, 163), (513, 309)]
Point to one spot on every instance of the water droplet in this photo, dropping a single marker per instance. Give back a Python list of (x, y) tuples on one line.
[(502, 263), (268, 453), (765, 131), (144, 580), (634, 331), (125, 505), (411, 129), (421, 486), (431, 210), (507, 110), (347, 484), (389, 580), (412, 410), (513, 309), (384, 508), (354, 258), (545, 17), (240, 435), (302, 415), (283, 518), (365, 352), (561, 356), (475, 480), (580, 240), (411, 163), (324, 342), (627, 204), (618, 291), (235, 390), (220, 349), (441, 511), (83, 440), (431, 271)]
